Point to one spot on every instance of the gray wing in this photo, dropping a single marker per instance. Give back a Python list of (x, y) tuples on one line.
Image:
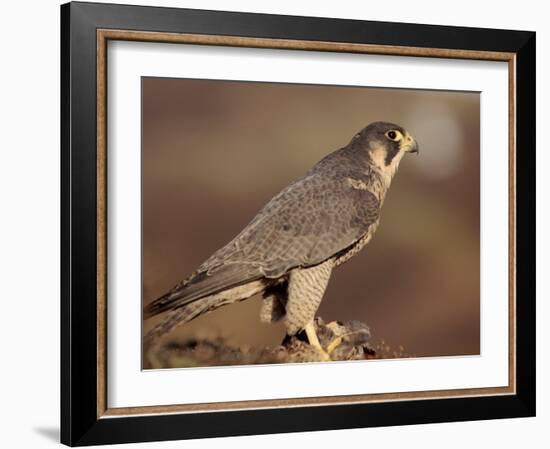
[(307, 223), (310, 221)]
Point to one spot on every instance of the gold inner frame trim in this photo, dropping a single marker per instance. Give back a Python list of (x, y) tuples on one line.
[(103, 36)]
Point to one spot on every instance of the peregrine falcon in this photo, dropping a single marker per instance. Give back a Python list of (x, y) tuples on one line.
[(289, 249)]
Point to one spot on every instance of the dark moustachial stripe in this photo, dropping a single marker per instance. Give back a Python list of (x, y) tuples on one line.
[(393, 149)]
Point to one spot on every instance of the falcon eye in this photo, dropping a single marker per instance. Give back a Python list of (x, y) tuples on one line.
[(393, 135)]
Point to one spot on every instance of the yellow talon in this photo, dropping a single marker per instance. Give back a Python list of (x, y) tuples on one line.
[(314, 341), (334, 344)]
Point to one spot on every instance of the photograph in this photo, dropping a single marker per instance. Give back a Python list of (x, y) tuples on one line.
[(276, 223), (288, 223)]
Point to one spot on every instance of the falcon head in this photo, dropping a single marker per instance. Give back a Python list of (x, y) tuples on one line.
[(386, 143)]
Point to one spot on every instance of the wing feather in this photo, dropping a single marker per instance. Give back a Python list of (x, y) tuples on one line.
[(310, 221), (203, 284)]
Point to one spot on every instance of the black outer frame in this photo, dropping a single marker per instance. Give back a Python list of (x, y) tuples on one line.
[(79, 422)]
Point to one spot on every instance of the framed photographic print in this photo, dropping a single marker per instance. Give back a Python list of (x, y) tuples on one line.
[(276, 224)]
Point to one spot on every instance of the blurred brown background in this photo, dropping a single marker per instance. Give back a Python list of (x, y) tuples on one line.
[(214, 152)]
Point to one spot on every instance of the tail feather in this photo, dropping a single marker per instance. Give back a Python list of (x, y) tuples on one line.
[(176, 317), (193, 309), (202, 285)]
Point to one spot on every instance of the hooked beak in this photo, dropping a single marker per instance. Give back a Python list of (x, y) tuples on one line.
[(410, 145)]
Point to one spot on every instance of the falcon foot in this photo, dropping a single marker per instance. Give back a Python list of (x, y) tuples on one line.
[(314, 341), (323, 342)]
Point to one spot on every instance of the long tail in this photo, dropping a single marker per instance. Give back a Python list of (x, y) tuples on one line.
[(179, 316), (193, 309)]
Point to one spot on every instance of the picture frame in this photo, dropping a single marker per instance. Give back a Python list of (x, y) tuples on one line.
[(86, 30)]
